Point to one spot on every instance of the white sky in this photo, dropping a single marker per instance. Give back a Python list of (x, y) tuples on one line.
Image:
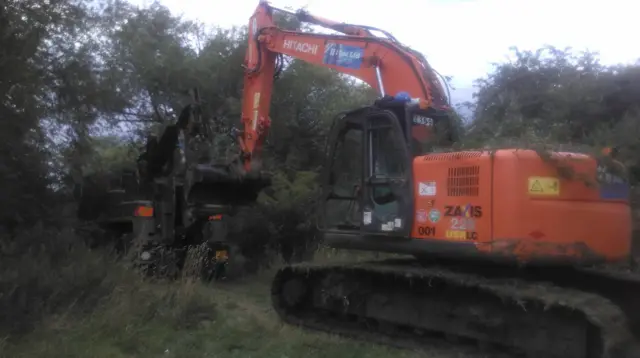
[(460, 37)]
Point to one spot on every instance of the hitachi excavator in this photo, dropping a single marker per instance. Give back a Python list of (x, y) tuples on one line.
[(504, 247)]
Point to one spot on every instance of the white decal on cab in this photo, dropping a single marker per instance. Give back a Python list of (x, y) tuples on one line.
[(422, 120)]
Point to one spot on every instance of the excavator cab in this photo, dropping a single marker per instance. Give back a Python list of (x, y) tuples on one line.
[(368, 180)]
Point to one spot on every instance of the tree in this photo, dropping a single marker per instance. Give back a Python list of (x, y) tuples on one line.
[(553, 94)]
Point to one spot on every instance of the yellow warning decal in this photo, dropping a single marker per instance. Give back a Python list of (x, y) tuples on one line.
[(544, 186)]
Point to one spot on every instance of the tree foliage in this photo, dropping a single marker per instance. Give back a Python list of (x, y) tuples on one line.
[(557, 95), (84, 82)]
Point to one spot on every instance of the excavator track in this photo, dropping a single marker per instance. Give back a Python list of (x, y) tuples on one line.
[(409, 304)]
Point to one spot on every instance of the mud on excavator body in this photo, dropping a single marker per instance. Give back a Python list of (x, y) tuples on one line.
[(502, 242)]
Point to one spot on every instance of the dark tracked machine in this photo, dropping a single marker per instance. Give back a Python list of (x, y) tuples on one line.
[(171, 213)]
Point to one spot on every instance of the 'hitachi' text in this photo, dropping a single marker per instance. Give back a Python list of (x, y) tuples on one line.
[(300, 47)]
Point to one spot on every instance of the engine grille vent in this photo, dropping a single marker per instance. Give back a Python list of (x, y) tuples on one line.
[(463, 181), (452, 156)]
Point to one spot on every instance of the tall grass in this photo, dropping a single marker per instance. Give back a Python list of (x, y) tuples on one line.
[(46, 272)]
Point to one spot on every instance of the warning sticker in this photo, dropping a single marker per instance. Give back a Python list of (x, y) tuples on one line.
[(427, 188), (544, 186)]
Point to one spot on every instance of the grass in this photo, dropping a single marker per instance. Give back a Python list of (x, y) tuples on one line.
[(173, 319), (185, 319), (84, 304), (190, 319)]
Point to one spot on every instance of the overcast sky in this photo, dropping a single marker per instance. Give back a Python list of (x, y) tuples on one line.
[(461, 37)]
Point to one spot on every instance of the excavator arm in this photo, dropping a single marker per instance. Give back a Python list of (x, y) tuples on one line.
[(383, 63)]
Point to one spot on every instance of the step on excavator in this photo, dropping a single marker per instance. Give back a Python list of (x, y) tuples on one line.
[(509, 248)]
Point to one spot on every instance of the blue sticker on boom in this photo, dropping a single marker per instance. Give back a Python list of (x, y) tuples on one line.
[(343, 55)]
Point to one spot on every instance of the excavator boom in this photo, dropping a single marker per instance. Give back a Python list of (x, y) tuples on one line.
[(383, 63), (499, 239)]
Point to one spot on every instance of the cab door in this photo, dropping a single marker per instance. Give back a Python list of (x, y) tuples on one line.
[(387, 193), (342, 178)]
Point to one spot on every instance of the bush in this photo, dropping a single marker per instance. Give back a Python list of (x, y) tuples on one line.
[(46, 271)]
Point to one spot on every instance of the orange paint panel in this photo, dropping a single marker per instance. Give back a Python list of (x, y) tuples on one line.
[(574, 222), (456, 204), (577, 222)]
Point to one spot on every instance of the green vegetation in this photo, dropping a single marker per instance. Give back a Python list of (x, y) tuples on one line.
[(126, 317), (83, 82), (134, 318)]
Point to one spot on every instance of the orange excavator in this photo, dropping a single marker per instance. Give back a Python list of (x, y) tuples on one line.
[(507, 248)]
